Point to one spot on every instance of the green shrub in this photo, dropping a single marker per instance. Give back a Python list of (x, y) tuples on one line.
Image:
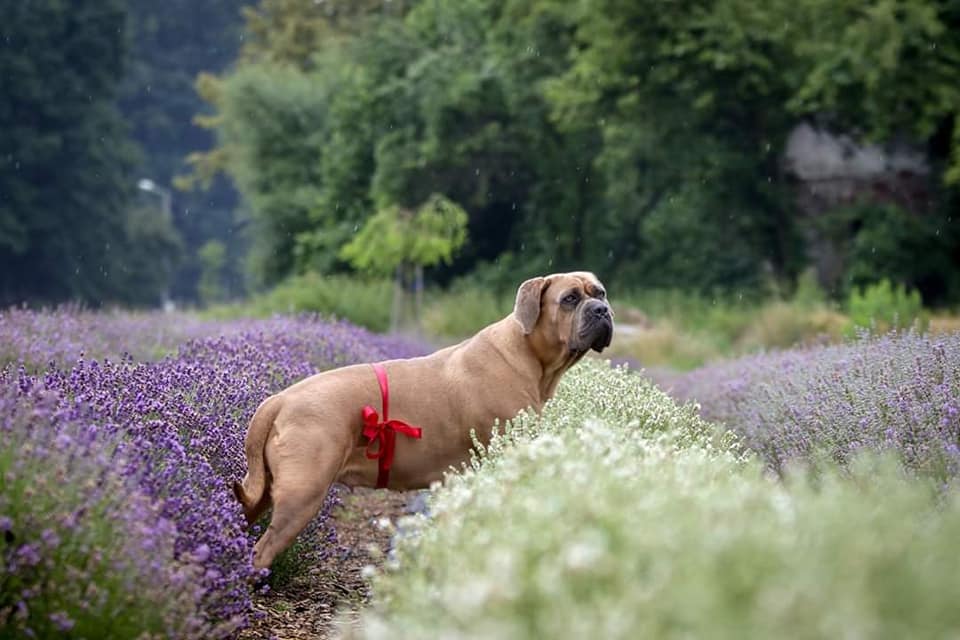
[(723, 316), (780, 325), (363, 302), (685, 330), (622, 515), (894, 244), (665, 345), (808, 292), (883, 306), (463, 310)]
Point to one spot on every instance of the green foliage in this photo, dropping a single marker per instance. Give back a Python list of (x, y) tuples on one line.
[(688, 239), (155, 249), (621, 515), (952, 175), (640, 140), (667, 90), (393, 237), (170, 43), (361, 301), (66, 159), (890, 243), (274, 125), (882, 306), (808, 292), (290, 32), (464, 309), (213, 257), (885, 68)]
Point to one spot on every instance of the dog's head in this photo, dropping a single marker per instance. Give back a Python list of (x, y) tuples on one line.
[(565, 314)]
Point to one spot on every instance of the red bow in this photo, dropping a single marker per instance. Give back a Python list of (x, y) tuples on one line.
[(384, 434)]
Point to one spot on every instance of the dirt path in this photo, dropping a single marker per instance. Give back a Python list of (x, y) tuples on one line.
[(307, 607)]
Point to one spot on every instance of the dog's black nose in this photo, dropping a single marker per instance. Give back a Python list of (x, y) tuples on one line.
[(601, 310)]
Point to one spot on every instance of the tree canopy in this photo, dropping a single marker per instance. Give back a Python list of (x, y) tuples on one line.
[(645, 140), (95, 96), (648, 141), (67, 161)]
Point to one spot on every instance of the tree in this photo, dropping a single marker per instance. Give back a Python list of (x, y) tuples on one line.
[(170, 44), (403, 242), (290, 33), (644, 140), (701, 96), (66, 180), (274, 130), (213, 256)]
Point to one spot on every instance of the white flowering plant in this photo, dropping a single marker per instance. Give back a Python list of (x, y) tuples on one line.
[(619, 514)]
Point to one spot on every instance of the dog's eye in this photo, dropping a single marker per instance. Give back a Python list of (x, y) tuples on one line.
[(571, 298), (600, 293)]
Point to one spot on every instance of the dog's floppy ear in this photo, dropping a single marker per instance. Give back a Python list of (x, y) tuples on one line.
[(527, 309)]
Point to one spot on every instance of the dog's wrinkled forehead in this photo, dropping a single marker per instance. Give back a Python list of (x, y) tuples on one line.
[(581, 280)]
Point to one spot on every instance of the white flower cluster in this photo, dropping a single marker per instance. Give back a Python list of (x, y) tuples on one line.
[(619, 514)]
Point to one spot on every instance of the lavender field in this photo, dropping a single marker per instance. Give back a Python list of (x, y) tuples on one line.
[(115, 513), (120, 434), (896, 393)]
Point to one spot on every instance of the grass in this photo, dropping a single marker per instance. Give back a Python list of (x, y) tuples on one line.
[(363, 302), (462, 311), (684, 331)]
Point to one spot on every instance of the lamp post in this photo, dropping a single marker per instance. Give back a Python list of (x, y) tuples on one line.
[(166, 198), (166, 204)]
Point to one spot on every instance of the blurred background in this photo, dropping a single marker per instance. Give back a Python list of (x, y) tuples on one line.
[(741, 175)]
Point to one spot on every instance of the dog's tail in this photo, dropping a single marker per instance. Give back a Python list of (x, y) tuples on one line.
[(253, 492)]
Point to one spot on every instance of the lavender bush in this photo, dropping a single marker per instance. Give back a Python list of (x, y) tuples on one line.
[(898, 393), (178, 425), (82, 548), (38, 339)]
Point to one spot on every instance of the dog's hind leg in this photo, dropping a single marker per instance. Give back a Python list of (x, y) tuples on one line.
[(302, 478), (253, 513)]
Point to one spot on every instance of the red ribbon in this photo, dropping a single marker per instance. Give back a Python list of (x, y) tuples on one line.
[(384, 434)]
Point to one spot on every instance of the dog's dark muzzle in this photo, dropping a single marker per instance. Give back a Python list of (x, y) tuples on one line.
[(597, 325)]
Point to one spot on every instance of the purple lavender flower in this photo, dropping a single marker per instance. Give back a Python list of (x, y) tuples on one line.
[(898, 392), (62, 621), (153, 445)]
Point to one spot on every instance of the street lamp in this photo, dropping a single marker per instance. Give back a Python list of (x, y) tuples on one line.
[(166, 198), (166, 202)]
